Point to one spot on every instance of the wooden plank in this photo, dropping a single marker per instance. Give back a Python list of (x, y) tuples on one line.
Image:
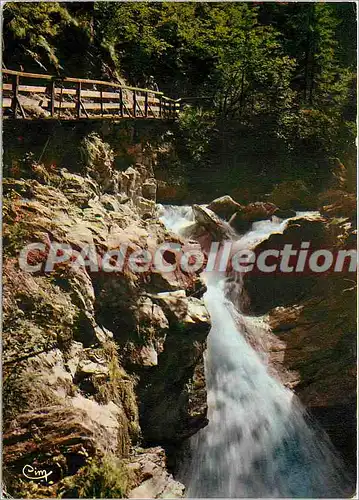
[(140, 110), (84, 109), (144, 102), (152, 110), (27, 88), (7, 86), (84, 93), (75, 119), (73, 105), (126, 109), (58, 105)]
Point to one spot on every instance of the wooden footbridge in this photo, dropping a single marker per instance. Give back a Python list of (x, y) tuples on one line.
[(30, 96)]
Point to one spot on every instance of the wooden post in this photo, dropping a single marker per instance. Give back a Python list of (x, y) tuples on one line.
[(160, 106), (134, 103), (52, 98), (146, 104), (15, 90), (78, 103), (60, 104), (121, 103), (101, 97)]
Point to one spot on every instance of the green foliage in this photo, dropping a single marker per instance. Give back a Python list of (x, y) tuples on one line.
[(41, 37), (279, 79), (23, 392), (292, 195), (35, 26), (119, 387), (102, 478), (196, 124)]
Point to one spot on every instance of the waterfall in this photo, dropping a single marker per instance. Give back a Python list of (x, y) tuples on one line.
[(259, 441)]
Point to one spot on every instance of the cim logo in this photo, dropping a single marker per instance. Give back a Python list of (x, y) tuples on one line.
[(35, 474)]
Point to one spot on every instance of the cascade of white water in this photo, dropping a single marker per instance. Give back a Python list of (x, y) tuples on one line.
[(258, 442), (175, 218)]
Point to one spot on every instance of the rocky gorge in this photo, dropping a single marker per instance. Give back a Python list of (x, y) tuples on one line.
[(103, 372), (96, 365)]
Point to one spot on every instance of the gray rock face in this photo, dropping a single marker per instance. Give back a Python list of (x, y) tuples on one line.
[(168, 390), (92, 350), (209, 223), (313, 322), (155, 482)]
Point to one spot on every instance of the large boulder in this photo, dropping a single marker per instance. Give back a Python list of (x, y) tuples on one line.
[(208, 222), (267, 290), (253, 212), (173, 404), (225, 207), (338, 203), (154, 482)]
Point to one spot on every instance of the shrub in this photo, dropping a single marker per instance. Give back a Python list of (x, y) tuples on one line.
[(293, 195), (101, 478)]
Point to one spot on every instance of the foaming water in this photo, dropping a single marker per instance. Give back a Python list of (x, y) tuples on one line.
[(261, 230), (259, 441), (175, 218)]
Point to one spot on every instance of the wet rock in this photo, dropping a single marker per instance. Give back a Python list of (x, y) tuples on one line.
[(81, 339), (173, 390), (149, 189), (277, 288), (253, 212), (225, 207), (155, 482), (209, 223), (339, 204), (284, 214), (313, 320)]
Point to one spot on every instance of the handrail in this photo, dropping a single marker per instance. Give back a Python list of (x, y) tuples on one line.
[(58, 103), (78, 80)]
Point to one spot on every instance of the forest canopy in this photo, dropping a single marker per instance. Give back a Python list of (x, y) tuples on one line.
[(272, 86)]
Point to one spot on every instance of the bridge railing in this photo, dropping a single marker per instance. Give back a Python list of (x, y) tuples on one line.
[(31, 95)]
